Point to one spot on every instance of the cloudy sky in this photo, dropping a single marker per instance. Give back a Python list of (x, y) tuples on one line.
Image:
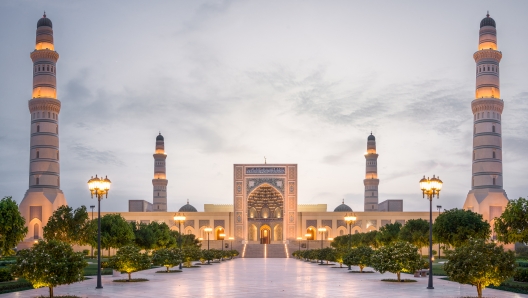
[(230, 82)]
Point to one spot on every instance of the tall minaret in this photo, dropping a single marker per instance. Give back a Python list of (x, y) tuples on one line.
[(160, 181), (44, 194), (487, 196), (371, 175)]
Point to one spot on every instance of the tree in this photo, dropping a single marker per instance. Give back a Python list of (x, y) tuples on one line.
[(369, 239), (12, 226), (49, 264), (115, 232), (129, 259), (153, 235), (416, 232), (189, 254), (70, 226), (359, 256), (512, 225), (457, 226), (388, 233), (395, 258), (207, 255), (168, 257), (188, 240), (480, 264)]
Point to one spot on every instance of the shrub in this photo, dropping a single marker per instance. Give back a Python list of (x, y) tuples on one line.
[(5, 274), (521, 275), (129, 259), (86, 252)]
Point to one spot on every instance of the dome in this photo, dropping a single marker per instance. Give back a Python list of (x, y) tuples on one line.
[(187, 207), (159, 137), (44, 22), (371, 137), (343, 208), (487, 21)]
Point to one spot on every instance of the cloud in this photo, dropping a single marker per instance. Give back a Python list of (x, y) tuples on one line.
[(85, 152)]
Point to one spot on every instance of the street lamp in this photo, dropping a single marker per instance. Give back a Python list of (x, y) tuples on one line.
[(92, 206), (208, 230), (308, 235), (350, 219), (431, 188), (439, 207), (99, 187), (223, 236), (179, 219), (231, 239), (299, 239), (322, 230)]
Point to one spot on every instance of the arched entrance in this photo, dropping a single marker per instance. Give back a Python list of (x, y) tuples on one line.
[(265, 234), (311, 231)]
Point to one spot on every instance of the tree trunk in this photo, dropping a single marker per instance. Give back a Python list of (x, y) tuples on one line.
[(167, 268), (479, 290), (51, 291), (129, 276), (340, 265), (398, 274), (109, 253), (361, 268)]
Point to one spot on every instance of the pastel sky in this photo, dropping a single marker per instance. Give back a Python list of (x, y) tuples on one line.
[(230, 82)]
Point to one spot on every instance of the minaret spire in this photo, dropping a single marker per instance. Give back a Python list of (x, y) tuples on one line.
[(159, 183), (487, 195), (371, 181)]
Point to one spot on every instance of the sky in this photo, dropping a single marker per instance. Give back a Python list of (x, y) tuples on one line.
[(229, 82)]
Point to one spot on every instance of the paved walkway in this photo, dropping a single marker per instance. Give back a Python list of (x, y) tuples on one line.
[(265, 278)]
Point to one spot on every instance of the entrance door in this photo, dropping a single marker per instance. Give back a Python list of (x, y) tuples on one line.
[(265, 235)]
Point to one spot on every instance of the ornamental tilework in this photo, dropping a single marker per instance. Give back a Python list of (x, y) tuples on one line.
[(291, 187), (239, 232), (402, 221), (291, 218), (291, 231), (189, 223), (219, 223), (311, 222), (238, 203), (239, 187), (341, 223), (291, 173), (239, 217), (203, 223), (291, 203), (385, 222), (238, 173), (326, 222), (357, 224), (372, 223), (259, 181)]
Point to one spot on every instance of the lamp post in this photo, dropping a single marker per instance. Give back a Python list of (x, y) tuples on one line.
[(322, 230), (92, 207), (308, 235), (179, 219), (231, 239), (223, 236), (439, 207), (99, 187), (208, 230), (431, 188), (350, 219), (299, 239)]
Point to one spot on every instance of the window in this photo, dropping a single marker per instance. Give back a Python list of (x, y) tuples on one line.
[(493, 128), (38, 154), (57, 129), (493, 180), (38, 128), (488, 114), (493, 154), (39, 68), (47, 68), (488, 68), (49, 115), (38, 180), (372, 206), (473, 155), (36, 231)]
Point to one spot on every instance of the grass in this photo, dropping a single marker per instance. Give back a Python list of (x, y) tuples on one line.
[(15, 286), (91, 269)]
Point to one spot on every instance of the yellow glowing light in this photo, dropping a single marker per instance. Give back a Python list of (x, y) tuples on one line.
[(322, 229), (231, 238), (44, 45), (350, 218), (208, 230), (299, 238), (487, 45), (222, 235), (201, 239), (331, 239), (487, 92), (44, 92), (307, 235)]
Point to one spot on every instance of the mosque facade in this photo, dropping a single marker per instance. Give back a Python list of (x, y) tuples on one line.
[(265, 207)]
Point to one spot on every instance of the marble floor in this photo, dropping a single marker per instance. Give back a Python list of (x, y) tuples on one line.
[(264, 278)]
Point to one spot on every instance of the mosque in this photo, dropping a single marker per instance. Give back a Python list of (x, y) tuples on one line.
[(266, 208)]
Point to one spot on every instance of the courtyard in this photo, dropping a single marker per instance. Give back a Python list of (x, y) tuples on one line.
[(264, 278)]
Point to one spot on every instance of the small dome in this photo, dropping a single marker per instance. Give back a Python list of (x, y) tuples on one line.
[(371, 137), (44, 22), (159, 137), (187, 208), (343, 208), (487, 21)]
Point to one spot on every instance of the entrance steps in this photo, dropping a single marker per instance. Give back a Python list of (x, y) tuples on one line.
[(267, 251)]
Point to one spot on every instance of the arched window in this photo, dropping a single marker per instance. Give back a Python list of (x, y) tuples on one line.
[(493, 128), (38, 154), (493, 154), (488, 68), (57, 129), (47, 67), (38, 180), (473, 155), (38, 128), (49, 115), (36, 231), (493, 180)]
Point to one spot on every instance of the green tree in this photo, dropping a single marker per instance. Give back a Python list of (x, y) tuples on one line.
[(12, 226), (153, 235), (129, 259), (369, 239), (168, 257), (359, 256), (480, 264), (456, 226), (388, 234), (115, 232), (49, 264), (512, 225), (188, 240), (207, 255), (189, 254), (70, 226), (395, 258), (416, 232)]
